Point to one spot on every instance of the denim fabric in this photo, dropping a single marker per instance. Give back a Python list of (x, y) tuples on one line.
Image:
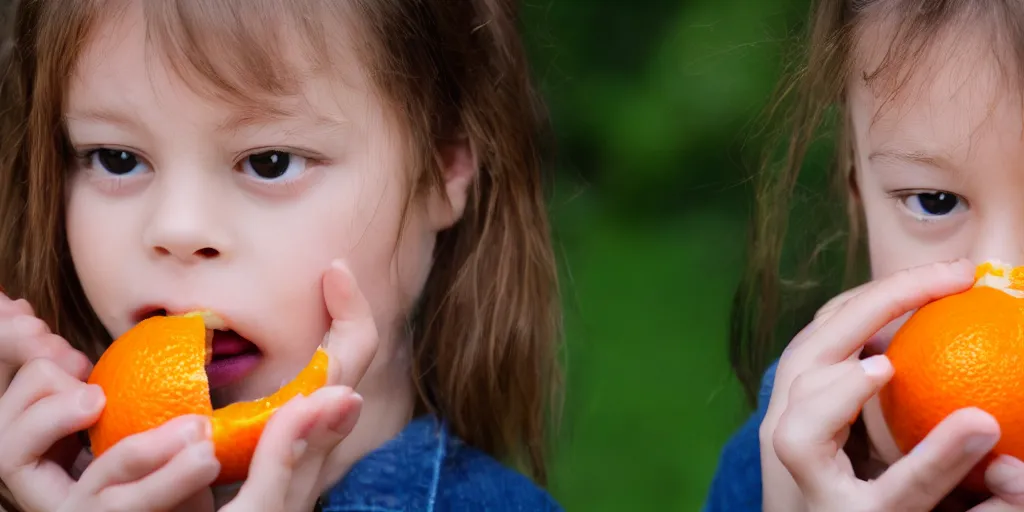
[(427, 469), (736, 486)]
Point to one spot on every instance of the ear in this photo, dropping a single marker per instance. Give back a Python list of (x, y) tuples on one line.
[(459, 165)]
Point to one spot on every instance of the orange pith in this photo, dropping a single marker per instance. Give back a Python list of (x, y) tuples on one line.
[(964, 350), (156, 371)]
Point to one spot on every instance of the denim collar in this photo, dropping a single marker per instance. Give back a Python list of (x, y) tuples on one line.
[(402, 474)]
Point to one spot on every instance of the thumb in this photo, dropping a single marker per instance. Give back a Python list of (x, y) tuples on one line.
[(352, 340), (1005, 478)]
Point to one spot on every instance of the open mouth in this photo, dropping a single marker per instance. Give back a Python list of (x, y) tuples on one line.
[(229, 355)]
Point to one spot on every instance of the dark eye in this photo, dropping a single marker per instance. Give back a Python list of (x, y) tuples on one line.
[(115, 161), (274, 165), (933, 204)]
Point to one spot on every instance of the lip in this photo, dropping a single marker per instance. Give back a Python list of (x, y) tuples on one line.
[(148, 310), (229, 322)]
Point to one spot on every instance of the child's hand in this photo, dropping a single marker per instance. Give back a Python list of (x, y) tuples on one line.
[(297, 456), (820, 387), (287, 469), (150, 471), (25, 338)]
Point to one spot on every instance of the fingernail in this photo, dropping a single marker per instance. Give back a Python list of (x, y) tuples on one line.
[(198, 430), (91, 398), (876, 366), (203, 451), (1005, 475), (326, 340), (339, 264), (919, 446), (342, 414), (980, 443), (298, 448)]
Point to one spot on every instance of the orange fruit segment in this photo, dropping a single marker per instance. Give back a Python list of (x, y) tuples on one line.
[(963, 350), (157, 371)]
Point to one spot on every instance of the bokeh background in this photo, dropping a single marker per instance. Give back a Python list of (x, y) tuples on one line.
[(655, 106)]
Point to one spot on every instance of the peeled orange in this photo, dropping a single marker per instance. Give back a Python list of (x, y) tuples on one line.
[(964, 350), (157, 371)]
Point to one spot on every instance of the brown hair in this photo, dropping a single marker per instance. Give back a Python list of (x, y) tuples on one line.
[(487, 326)]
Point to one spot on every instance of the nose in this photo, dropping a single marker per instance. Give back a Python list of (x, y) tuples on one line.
[(184, 224)]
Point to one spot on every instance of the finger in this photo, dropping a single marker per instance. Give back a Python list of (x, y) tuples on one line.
[(138, 455), (836, 302), (879, 341), (286, 468), (805, 439), (281, 445), (38, 482), (868, 312), (340, 409), (824, 314), (25, 338), (1005, 478), (37, 379), (940, 462), (189, 471), (996, 504), (352, 340)]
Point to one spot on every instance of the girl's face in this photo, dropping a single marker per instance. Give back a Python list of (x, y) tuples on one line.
[(940, 168), (182, 201)]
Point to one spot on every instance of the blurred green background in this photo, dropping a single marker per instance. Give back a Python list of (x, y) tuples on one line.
[(654, 106)]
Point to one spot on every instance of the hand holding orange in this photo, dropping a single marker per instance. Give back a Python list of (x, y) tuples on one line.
[(964, 350), (156, 372)]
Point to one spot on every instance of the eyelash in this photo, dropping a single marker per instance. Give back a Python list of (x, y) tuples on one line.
[(84, 158), (902, 195)]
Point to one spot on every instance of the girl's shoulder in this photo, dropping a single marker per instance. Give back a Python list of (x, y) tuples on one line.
[(426, 468), (736, 486)]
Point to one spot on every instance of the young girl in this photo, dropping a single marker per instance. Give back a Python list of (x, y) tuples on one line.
[(926, 98), (257, 158)]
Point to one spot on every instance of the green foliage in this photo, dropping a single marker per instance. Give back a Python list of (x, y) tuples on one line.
[(655, 106)]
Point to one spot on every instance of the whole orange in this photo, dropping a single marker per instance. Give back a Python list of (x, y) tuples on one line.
[(964, 350), (157, 371)]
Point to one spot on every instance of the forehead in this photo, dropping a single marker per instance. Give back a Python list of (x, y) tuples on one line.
[(958, 96), (142, 53)]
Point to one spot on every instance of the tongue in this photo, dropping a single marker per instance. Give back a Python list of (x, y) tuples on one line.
[(229, 343)]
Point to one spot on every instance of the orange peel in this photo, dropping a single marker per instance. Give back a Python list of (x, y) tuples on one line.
[(157, 371)]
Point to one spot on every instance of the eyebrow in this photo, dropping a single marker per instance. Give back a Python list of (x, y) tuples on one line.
[(925, 158), (245, 118)]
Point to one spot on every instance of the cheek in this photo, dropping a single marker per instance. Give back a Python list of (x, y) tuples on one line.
[(95, 243), (389, 258)]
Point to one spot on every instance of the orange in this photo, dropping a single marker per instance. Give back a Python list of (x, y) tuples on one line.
[(963, 350), (156, 372)]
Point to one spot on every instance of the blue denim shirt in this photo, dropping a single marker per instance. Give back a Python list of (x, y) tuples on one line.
[(736, 486), (427, 469)]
